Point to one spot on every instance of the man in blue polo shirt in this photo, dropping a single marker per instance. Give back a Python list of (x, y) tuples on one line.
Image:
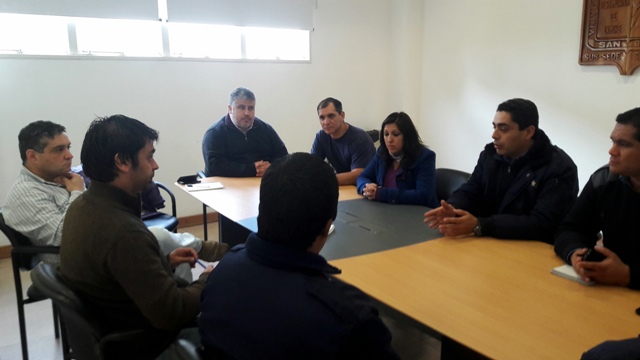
[(349, 149)]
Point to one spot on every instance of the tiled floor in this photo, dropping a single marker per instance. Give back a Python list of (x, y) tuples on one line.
[(39, 319)]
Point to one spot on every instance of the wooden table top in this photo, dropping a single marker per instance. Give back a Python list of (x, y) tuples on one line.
[(240, 197), (497, 297)]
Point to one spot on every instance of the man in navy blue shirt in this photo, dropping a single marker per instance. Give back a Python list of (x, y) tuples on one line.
[(349, 149), (274, 297), (240, 144)]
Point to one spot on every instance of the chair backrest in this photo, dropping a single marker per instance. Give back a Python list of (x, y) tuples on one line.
[(171, 196), (87, 336), (448, 181), (17, 240), (374, 134), (82, 330)]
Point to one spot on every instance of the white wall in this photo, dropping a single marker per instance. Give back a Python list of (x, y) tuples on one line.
[(479, 53), (181, 99), (447, 63)]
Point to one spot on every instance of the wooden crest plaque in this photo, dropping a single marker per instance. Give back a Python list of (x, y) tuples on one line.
[(611, 34)]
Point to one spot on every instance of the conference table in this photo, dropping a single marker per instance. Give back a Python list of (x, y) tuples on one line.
[(495, 297), (361, 226)]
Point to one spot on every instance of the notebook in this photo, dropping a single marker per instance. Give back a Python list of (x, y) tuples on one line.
[(567, 272), (204, 186)]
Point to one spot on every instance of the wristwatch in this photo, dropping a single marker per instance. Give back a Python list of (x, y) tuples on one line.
[(477, 230)]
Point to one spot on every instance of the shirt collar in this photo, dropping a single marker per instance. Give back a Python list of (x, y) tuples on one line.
[(114, 196), (27, 172), (285, 258)]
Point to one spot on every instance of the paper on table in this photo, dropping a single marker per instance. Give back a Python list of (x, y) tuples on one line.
[(204, 186), (567, 272), (199, 268)]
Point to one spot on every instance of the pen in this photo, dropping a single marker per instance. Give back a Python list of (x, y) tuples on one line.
[(201, 263)]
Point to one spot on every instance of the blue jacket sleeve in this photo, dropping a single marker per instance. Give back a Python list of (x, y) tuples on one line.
[(370, 174), (417, 185)]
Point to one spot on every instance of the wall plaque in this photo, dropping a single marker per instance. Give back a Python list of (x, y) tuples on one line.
[(611, 34)]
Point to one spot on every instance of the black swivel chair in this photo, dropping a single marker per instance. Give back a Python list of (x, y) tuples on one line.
[(448, 181), (86, 336), (169, 222), (25, 256), (374, 134)]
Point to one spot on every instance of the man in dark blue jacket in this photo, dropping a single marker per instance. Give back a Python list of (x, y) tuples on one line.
[(274, 297), (240, 144), (521, 188)]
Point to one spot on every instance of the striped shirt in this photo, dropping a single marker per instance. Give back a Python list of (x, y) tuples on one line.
[(36, 208)]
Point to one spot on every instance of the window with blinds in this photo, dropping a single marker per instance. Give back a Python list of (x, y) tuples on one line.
[(275, 30)]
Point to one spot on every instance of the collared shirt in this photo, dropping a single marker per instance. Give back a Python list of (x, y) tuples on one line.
[(36, 209)]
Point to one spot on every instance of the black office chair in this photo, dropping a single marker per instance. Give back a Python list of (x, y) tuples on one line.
[(169, 222), (87, 338), (448, 181), (374, 134), (25, 256)]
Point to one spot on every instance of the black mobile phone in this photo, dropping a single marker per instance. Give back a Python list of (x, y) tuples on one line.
[(593, 255), (189, 179)]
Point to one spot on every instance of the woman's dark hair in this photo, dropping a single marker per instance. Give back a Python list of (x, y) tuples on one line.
[(411, 144)]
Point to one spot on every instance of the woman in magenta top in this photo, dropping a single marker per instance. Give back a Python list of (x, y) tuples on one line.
[(403, 171)]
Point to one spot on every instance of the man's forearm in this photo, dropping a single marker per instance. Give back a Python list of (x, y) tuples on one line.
[(349, 178)]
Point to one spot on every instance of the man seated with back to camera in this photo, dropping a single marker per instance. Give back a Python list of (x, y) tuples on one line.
[(274, 296), (521, 188)]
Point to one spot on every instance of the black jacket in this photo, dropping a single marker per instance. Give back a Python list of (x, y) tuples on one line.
[(609, 204), (268, 301), (522, 199), (229, 152)]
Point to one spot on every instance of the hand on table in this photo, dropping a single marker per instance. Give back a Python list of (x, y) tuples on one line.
[(369, 191), (261, 167), (610, 271), (450, 221)]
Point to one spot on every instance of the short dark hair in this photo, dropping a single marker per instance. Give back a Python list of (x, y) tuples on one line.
[(336, 104), (631, 117), (411, 144), (241, 93), (36, 136), (110, 136), (298, 195), (523, 112)]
